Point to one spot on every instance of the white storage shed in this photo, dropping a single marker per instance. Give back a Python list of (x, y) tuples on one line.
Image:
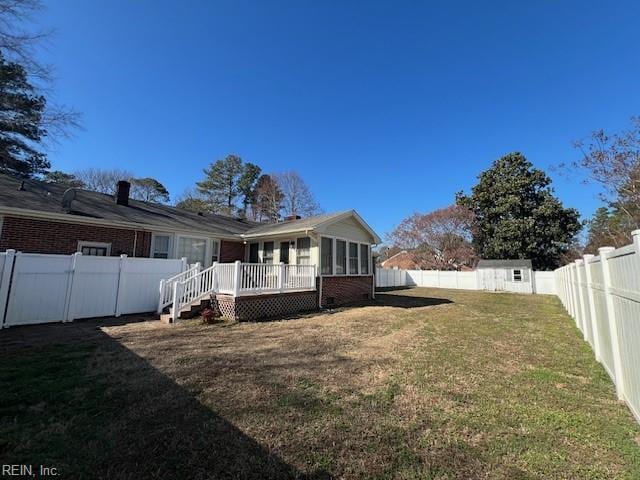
[(505, 275)]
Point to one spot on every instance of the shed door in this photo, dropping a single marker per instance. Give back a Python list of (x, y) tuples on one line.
[(500, 279)]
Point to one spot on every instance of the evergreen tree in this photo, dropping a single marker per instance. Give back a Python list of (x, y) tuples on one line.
[(517, 215), (220, 185), (64, 179), (247, 186), (21, 123), (149, 190)]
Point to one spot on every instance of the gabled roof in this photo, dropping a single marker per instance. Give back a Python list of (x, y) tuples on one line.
[(504, 263), (94, 207), (316, 223)]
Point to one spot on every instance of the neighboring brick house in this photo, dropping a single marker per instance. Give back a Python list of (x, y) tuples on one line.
[(38, 217)]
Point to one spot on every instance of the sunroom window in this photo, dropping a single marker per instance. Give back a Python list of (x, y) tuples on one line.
[(326, 262), (364, 259), (341, 257), (353, 258)]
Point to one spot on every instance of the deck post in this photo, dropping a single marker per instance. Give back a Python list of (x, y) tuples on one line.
[(281, 273), (611, 317), (214, 277), (175, 311), (237, 278)]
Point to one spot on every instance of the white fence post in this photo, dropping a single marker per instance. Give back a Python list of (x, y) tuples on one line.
[(68, 310), (611, 316), (575, 296), (584, 315), (7, 272), (237, 272), (121, 283), (162, 284), (185, 265), (591, 305)]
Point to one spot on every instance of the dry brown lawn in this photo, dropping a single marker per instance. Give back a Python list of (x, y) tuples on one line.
[(424, 383)]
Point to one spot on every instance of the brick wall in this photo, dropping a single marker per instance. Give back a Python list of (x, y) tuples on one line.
[(43, 236), (341, 290), (231, 251)]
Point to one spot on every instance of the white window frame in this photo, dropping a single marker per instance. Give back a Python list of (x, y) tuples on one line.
[(207, 245), (308, 256), (273, 252), (520, 273), (153, 243), (216, 254), (335, 257), (84, 243)]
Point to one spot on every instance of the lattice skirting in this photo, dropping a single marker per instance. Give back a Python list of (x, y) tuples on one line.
[(265, 306)]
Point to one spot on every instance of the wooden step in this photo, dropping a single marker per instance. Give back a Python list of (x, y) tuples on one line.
[(187, 312)]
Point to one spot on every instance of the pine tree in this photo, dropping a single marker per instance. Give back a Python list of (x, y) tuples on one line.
[(220, 185), (21, 123)]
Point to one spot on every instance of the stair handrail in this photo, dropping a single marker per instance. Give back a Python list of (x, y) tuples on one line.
[(189, 290), (167, 285)]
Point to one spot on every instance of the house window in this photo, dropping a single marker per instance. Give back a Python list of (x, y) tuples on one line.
[(284, 252), (215, 251), (267, 252), (194, 249), (353, 258), (253, 252), (326, 262), (95, 249), (341, 257), (517, 275), (161, 246), (364, 259), (303, 251)]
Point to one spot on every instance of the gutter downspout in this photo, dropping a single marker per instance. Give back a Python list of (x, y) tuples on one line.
[(135, 242)]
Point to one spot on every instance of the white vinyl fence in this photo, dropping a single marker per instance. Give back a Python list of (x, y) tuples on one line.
[(543, 282), (38, 288), (602, 294)]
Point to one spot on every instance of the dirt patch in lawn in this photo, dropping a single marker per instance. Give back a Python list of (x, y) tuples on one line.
[(424, 383)]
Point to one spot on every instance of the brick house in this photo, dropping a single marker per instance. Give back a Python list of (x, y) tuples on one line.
[(37, 217)]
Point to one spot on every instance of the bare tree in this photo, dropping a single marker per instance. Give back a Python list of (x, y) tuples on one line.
[(440, 239), (267, 200), (102, 180), (613, 162), (297, 196), (19, 44)]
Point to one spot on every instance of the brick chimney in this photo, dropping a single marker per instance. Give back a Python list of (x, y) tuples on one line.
[(291, 218), (122, 194)]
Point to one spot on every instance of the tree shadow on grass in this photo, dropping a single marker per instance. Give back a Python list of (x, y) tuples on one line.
[(94, 409), (407, 301)]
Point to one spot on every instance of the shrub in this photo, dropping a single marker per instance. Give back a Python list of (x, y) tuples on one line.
[(209, 316)]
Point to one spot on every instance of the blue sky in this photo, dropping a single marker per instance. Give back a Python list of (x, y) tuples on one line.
[(385, 107)]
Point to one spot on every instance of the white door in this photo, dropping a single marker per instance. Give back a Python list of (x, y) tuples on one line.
[(500, 279)]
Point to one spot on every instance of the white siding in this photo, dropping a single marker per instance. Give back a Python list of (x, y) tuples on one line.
[(349, 229)]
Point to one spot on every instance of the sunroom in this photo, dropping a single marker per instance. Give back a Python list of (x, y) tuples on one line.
[(304, 264)]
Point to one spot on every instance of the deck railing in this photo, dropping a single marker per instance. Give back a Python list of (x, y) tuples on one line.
[(236, 279)]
